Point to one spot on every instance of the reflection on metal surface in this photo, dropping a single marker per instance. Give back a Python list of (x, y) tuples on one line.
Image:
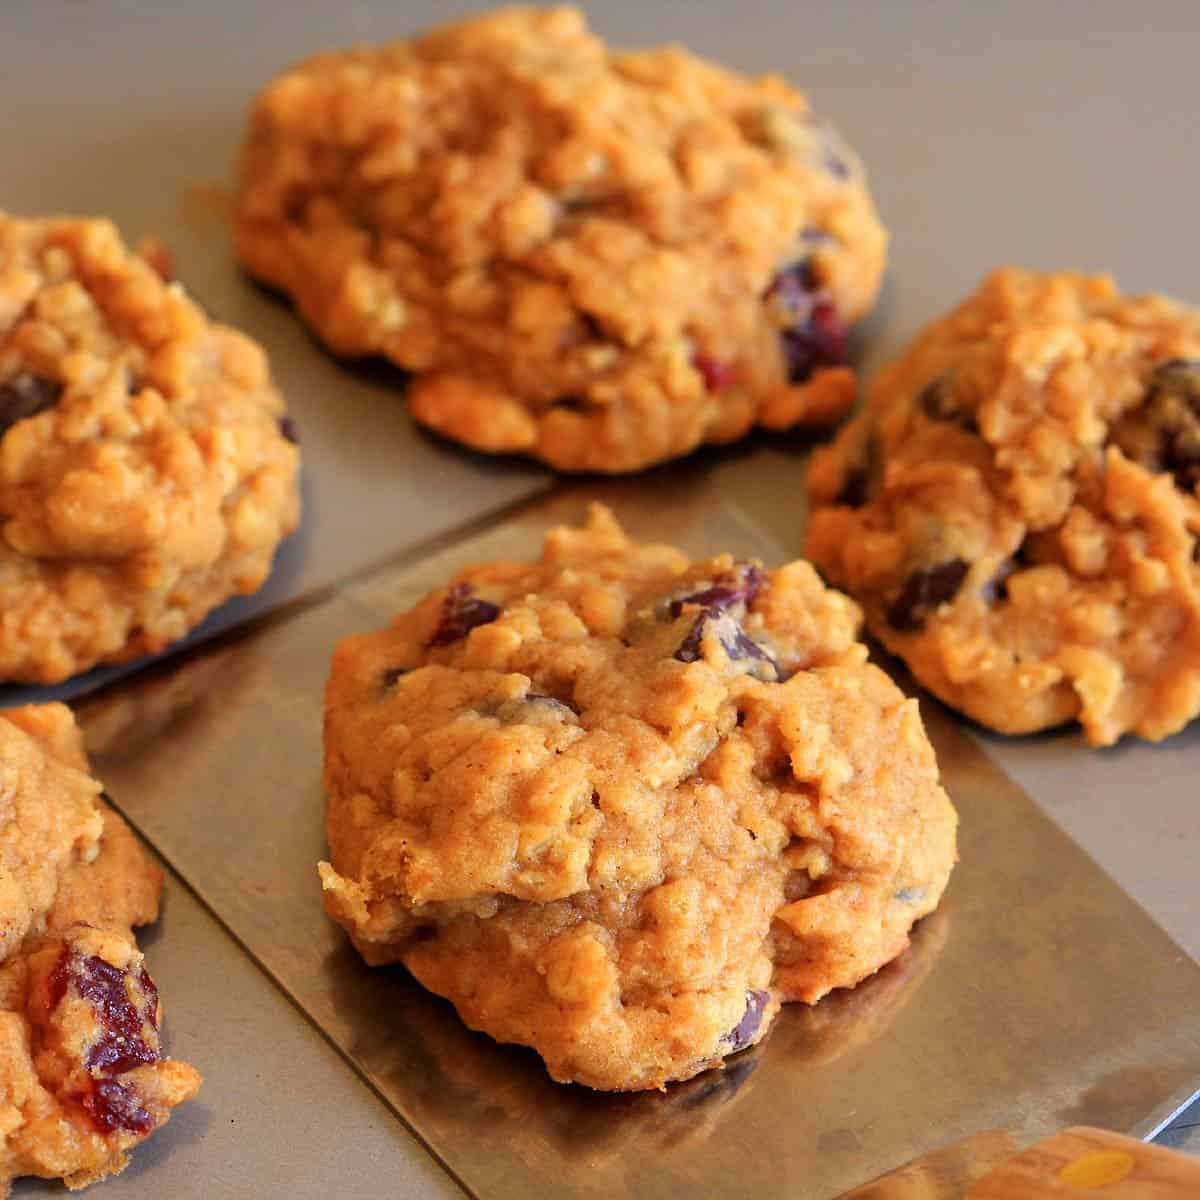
[(1025, 998)]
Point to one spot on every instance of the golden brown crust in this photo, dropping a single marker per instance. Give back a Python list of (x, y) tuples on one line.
[(82, 1077), (144, 473), (1016, 507), (619, 806), (573, 249)]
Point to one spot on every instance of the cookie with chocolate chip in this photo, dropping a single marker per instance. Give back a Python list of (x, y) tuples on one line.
[(619, 806), (600, 259), (147, 470), (83, 1077), (1018, 507)]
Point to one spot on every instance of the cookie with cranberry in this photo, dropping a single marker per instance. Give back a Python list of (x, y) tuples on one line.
[(83, 1078), (1017, 507), (147, 470), (598, 258), (619, 806)]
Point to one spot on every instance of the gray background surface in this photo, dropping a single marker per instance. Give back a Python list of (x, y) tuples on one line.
[(1051, 135)]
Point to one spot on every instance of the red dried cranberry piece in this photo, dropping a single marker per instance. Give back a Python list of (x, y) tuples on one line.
[(717, 375), (113, 1106), (923, 592), (120, 1045), (814, 335), (734, 640), (461, 612), (25, 396), (740, 586), (742, 1034)]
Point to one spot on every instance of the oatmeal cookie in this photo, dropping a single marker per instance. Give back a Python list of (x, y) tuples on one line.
[(147, 470), (82, 1075), (600, 259), (1017, 507), (619, 806)]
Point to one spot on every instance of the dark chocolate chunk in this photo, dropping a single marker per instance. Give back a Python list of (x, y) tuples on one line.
[(25, 396), (923, 592), (462, 611), (743, 1033)]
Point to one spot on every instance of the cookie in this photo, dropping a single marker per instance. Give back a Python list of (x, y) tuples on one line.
[(619, 806), (147, 469), (599, 259), (1017, 509), (82, 1075)]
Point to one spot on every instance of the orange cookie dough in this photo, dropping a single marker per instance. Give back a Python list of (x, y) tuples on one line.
[(619, 806), (1017, 510), (147, 470), (82, 1076), (600, 259)]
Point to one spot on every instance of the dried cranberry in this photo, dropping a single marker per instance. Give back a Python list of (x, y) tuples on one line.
[(113, 1106), (813, 335), (737, 644), (717, 375), (462, 611), (740, 586), (288, 428), (1163, 434), (25, 396), (923, 592), (742, 1034)]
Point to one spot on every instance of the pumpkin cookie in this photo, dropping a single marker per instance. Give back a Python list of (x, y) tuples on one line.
[(147, 470), (619, 806), (599, 259), (82, 1075), (1017, 507)]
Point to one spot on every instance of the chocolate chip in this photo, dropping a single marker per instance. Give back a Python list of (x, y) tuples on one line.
[(813, 335), (25, 396), (742, 1034), (923, 592), (462, 611), (288, 428)]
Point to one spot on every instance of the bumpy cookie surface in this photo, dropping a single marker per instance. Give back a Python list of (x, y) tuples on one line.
[(82, 1076), (618, 806), (145, 475), (1017, 507), (601, 259)]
